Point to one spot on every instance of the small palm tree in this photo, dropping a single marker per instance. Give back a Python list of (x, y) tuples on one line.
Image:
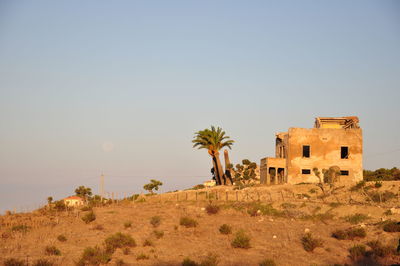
[(213, 140)]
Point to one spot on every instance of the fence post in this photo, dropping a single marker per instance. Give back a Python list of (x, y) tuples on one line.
[(226, 195), (237, 196), (206, 195), (283, 198)]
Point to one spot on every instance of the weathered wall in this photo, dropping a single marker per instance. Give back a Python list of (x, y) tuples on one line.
[(325, 146)]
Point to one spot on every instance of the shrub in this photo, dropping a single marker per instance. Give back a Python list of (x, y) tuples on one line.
[(158, 234), (120, 262), (378, 249), (148, 243), (128, 224), (391, 226), (155, 221), (225, 229), (20, 228), (189, 262), (210, 260), (61, 238), (188, 222), (358, 186), (89, 217), (356, 218), (381, 197), (349, 234), (94, 256), (388, 212), (288, 205), (378, 184), (14, 262), (268, 262), (52, 250), (335, 204), (310, 243), (241, 240), (356, 252), (98, 227), (86, 208), (119, 240), (265, 209), (43, 262), (142, 256), (212, 209)]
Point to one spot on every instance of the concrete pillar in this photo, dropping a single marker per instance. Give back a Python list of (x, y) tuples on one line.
[(268, 177)]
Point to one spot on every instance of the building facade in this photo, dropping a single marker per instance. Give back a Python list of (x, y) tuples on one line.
[(333, 143)]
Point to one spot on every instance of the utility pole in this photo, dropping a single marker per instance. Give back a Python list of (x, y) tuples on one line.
[(101, 185)]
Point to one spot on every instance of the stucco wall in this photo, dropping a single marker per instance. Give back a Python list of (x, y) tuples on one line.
[(325, 145)]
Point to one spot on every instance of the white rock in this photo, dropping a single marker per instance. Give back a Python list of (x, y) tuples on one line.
[(203, 209), (362, 225), (274, 236), (306, 230), (259, 212), (271, 220)]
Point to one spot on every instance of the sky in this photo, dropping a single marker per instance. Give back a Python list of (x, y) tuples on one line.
[(120, 87)]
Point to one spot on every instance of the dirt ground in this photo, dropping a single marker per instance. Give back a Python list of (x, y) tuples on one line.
[(275, 237)]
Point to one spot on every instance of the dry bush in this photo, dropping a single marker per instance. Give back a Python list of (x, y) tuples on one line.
[(61, 238), (120, 262), (52, 250), (14, 262), (356, 218), (225, 229), (20, 228), (94, 256), (310, 243), (358, 186), (210, 260), (155, 221), (288, 205), (119, 240), (189, 262), (381, 197), (391, 226), (158, 234), (188, 222), (267, 262), (380, 250), (241, 240), (357, 252), (142, 256), (128, 224), (255, 208), (43, 262), (98, 227), (349, 234), (212, 209), (89, 217), (148, 243)]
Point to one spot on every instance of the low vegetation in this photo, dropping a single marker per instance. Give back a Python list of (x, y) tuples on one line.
[(119, 240), (127, 224), (142, 256), (267, 262), (52, 251), (61, 238), (14, 262), (310, 243), (225, 229), (158, 234), (356, 218), (349, 234), (155, 221), (212, 209), (241, 240), (94, 256), (188, 222), (357, 252), (43, 262), (391, 226), (89, 217)]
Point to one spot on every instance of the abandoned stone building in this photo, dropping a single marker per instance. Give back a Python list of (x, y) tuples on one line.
[(334, 142)]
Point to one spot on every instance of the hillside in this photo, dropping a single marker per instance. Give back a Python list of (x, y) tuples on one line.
[(275, 218)]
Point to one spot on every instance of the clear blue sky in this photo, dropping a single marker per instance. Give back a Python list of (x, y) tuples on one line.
[(143, 76)]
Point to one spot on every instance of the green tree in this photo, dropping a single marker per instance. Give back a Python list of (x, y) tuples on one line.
[(83, 192), (245, 173), (49, 200), (154, 184), (213, 140)]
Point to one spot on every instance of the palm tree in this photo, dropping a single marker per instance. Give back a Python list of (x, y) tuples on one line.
[(213, 140)]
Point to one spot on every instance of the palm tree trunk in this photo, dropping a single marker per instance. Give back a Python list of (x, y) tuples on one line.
[(216, 171), (219, 171)]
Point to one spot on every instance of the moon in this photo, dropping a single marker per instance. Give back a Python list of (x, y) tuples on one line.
[(107, 146)]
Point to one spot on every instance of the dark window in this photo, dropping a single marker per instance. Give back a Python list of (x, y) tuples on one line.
[(306, 151), (344, 152), (305, 171), (344, 172)]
